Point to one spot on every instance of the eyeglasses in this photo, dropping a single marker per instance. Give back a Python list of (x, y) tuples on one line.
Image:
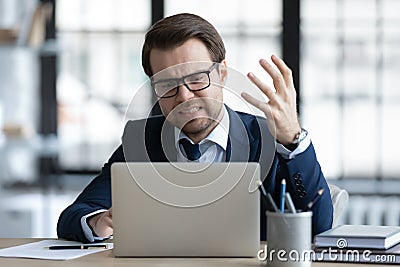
[(193, 82)]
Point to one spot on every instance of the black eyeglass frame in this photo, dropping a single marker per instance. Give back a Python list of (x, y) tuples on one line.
[(181, 80)]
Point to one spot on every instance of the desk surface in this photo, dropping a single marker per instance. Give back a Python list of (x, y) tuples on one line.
[(106, 258)]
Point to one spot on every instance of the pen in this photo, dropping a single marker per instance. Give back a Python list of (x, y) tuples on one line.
[(314, 200), (263, 195), (272, 202), (268, 201), (282, 199), (262, 188), (98, 246), (289, 203)]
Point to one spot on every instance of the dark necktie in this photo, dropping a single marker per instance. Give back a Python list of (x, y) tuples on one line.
[(192, 150)]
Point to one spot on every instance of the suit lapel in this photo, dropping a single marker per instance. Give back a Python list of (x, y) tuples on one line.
[(238, 149), (150, 140), (267, 147), (167, 145), (243, 146), (160, 141)]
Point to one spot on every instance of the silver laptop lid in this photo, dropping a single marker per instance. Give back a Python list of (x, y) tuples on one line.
[(185, 209)]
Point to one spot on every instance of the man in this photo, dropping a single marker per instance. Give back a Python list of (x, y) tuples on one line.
[(191, 100)]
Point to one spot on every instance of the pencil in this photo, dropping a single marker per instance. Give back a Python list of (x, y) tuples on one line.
[(267, 198), (289, 203), (315, 199), (272, 203)]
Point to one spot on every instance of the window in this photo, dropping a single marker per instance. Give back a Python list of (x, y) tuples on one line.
[(99, 71), (349, 92), (250, 29)]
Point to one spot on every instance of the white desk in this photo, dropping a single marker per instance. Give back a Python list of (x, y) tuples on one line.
[(106, 258)]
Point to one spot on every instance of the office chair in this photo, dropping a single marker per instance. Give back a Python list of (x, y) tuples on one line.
[(340, 199)]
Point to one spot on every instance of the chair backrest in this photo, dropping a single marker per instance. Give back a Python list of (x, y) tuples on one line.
[(340, 199)]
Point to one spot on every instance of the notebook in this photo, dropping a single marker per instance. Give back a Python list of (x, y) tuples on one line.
[(359, 236), (381, 256), (152, 218)]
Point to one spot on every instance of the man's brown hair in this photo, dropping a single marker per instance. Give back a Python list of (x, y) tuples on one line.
[(173, 31)]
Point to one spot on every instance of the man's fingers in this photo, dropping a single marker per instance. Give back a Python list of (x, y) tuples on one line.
[(105, 225), (286, 72), (107, 221), (261, 105), (108, 232), (264, 107), (262, 86), (109, 225), (276, 76)]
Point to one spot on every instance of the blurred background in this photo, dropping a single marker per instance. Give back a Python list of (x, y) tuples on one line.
[(68, 70)]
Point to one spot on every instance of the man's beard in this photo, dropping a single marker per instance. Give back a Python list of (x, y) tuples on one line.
[(198, 125)]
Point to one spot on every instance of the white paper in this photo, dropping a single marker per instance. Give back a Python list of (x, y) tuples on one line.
[(39, 250)]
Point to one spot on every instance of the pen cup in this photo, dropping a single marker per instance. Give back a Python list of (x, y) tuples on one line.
[(289, 239)]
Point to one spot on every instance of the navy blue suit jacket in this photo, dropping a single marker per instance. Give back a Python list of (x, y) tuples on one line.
[(303, 173)]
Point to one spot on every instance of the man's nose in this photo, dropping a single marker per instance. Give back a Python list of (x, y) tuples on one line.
[(184, 93)]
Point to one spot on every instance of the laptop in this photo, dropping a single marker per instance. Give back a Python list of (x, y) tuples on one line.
[(185, 209)]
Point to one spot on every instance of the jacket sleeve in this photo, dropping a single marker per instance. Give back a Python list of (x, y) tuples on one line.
[(304, 178), (96, 196)]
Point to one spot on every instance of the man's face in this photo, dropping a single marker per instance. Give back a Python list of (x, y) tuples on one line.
[(196, 113)]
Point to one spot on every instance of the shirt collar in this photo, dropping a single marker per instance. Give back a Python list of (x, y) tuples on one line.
[(218, 136)]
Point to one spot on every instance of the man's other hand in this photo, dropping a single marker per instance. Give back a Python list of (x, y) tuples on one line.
[(101, 224)]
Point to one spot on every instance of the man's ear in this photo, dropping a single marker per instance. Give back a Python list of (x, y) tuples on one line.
[(223, 72)]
